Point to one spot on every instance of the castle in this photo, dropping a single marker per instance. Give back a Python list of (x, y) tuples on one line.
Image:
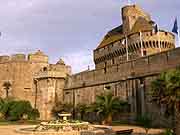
[(33, 78), (129, 57)]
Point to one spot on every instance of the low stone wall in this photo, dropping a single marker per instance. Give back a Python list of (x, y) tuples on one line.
[(100, 131)]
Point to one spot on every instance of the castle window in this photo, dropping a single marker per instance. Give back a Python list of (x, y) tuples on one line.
[(45, 69), (166, 33), (113, 62), (151, 34), (144, 52), (157, 44), (134, 17), (105, 64), (163, 44), (107, 87), (150, 43), (154, 44), (133, 47), (105, 70)]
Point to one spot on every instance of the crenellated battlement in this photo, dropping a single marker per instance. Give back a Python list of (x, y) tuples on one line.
[(37, 57), (135, 68), (130, 14)]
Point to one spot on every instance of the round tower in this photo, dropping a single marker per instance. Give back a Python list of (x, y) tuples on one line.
[(130, 14), (49, 84)]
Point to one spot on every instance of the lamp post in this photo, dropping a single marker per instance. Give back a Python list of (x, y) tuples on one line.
[(73, 104), (73, 100)]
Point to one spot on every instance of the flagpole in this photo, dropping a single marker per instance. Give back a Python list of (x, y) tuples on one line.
[(178, 38), (127, 49), (141, 44)]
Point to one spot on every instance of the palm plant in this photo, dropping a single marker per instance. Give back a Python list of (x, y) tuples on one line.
[(106, 105), (82, 109), (7, 86), (166, 90), (145, 121)]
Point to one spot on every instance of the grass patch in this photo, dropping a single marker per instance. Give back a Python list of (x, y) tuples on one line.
[(21, 122), (119, 123)]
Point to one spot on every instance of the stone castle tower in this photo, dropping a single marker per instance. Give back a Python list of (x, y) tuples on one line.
[(136, 37), (50, 82), (33, 78)]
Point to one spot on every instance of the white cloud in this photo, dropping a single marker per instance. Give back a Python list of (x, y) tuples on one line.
[(81, 61)]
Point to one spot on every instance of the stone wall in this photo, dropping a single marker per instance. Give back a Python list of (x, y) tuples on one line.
[(130, 14), (32, 78), (129, 81)]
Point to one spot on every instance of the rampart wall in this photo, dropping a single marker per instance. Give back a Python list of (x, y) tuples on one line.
[(140, 67), (19, 70), (130, 81), (88, 84)]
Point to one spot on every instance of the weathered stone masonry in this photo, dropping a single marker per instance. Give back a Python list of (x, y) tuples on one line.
[(33, 78), (129, 81), (149, 53), (129, 57)]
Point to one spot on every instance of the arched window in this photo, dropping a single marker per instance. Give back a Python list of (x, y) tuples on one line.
[(144, 45), (157, 44), (150, 43), (163, 44), (154, 44), (44, 68)]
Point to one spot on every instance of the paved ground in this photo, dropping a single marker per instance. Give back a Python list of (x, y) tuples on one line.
[(9, 129), (138, 130)]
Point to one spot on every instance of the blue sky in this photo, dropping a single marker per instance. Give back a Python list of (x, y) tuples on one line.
[(70, 29)]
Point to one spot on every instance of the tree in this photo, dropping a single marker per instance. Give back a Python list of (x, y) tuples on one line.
[(7, 86), (166, 90), (106, 105)]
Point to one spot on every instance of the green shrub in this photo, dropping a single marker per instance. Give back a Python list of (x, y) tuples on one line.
[(169, 132), (5, 107), (16, 110)]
